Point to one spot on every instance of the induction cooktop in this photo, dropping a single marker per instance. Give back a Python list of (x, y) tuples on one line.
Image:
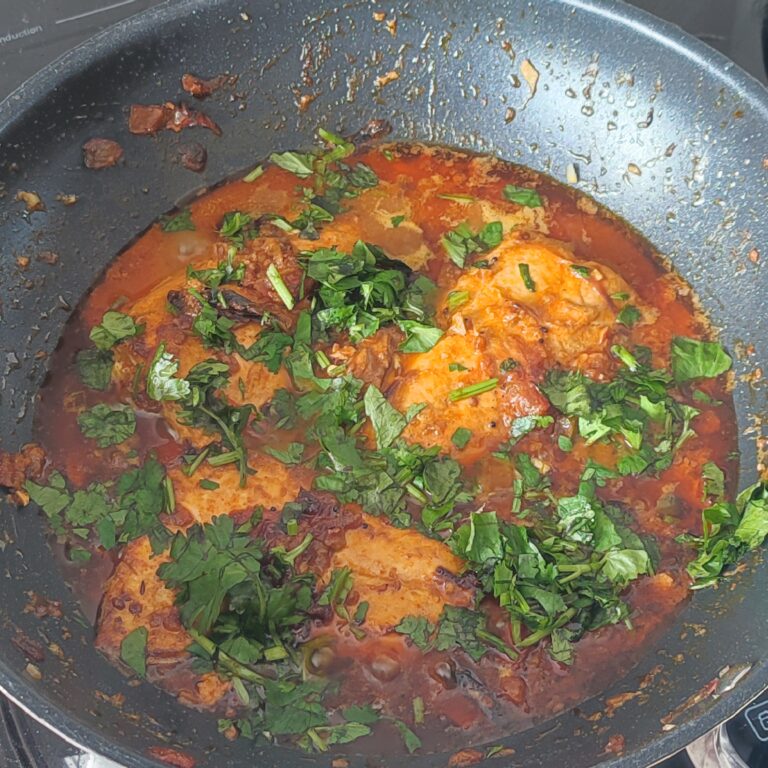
[(37, 32)]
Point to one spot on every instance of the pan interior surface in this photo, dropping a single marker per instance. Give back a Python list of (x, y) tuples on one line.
[(655, 126)]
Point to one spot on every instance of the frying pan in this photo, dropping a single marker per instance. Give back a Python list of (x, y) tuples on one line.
[(657, 126)]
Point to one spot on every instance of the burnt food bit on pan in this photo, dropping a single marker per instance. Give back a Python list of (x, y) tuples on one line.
[(193, 156), (201, 88), (101, 153), (148, 119)]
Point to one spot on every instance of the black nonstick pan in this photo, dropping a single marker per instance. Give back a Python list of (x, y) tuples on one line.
[(653, 124)]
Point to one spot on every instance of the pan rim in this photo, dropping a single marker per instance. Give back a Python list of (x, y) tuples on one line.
[(35, 90)]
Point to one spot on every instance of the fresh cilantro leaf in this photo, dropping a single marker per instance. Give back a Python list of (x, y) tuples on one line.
[(366, 714), (162, 383), (181, 222), (461, 437), (461, 242), (300, 164), (418, 336), (525, 274), (396, 221), (387, 421), (714, 481), (269, 349), (107, 425), (458, 628), (457, 367), (95, 368), (529, 198), (208, 485), (694, 359), (729, 532), (411, 741), (133, 650), (293, 454), (479, 540), (237, 227), (628, 316), (114, 327), (564, 443), (418, 629)]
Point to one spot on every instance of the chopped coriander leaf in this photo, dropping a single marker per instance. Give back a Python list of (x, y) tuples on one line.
[(208, 485), (529, 198), (133, 650), (361, 611), (620, 296), (418, 336), (456, 299), (107, 425), (525, 274), (387, 421), (730, 530), (418, 629), (411, 741), (95, 368), (237, 227), (628, 316), (227, 271), (300, 164), (277, 282), (114, 327), (473, 390), (581, 270), (564, 443), (694, 359), (461, 242), (396, 221), (461, 437), (293, 454), (181, 222), (508, 365), (162, 383), (128, 510), (457, 367)]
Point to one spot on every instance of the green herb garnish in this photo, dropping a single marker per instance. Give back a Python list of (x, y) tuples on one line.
[(529, 198)]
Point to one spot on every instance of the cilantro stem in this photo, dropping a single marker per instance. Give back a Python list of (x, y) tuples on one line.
[(274, 277), (234, 441), (170, 496), (496, 642), (226, 661), (416, 493), (473, 389), (199, 459), (254, 174), (534, 637), (222, 459), (525, 273), (456, 299), (290, 556)]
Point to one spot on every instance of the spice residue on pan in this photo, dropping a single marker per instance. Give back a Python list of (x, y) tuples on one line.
[(389, 444)]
